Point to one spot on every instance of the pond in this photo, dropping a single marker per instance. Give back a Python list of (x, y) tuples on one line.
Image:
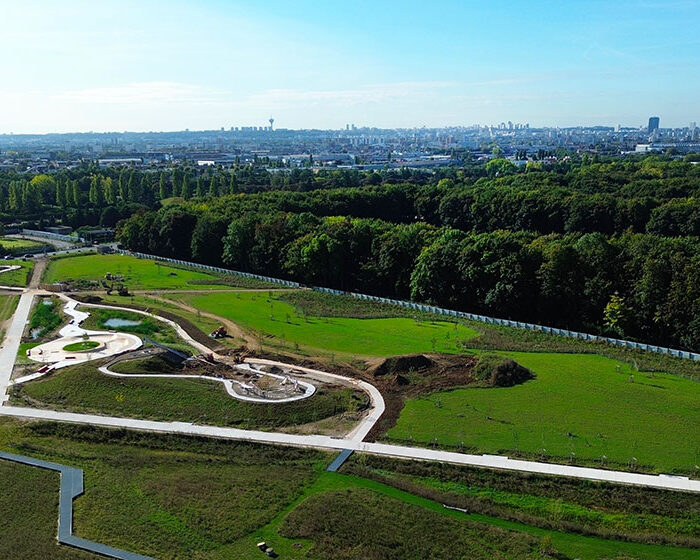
[(116, 323)]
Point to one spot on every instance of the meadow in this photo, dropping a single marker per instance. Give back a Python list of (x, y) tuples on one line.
[(269, 316), (83, 389), (580, 408), (176, 497), (138, 274)]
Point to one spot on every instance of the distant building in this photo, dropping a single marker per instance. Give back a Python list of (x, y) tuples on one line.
[(653, 124), (59, 230)]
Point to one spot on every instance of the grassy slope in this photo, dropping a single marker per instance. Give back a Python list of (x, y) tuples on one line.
[(654, 418), (82, 388), (19, 277), (353, 337)]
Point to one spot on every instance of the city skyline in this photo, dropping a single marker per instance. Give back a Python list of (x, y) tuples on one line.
[(178, 65)]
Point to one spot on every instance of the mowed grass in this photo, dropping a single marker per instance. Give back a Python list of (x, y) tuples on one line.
[(83, 389), (581, 407), (266, 314), (15, 245), (139, 274), (18, 277)]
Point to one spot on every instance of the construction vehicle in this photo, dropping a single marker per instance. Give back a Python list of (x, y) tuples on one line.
[(219, 333)]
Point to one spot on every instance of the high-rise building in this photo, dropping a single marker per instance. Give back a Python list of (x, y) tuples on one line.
[(693, 128), (653, 124)]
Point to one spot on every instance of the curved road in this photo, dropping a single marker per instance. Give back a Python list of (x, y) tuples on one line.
[(353, 441)]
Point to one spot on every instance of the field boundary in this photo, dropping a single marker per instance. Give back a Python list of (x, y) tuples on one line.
[(435, 310), (71, 487)]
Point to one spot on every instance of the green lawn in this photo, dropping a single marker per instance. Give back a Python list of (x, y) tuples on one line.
[(8, 304), (268, 314), (83, 389), (138, 274), (581, 404), (18, 246), (81, 346), (19, 277)]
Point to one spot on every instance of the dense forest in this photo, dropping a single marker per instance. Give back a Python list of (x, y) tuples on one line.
[(601, 246)]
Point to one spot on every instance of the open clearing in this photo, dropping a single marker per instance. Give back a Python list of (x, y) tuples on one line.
[(138, 274), (581, 404), (265, 313)]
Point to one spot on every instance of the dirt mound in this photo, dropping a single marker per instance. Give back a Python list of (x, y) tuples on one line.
[(500, 371), (397, 365)]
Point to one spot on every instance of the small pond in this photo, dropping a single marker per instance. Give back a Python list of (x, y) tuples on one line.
[(115, 323)]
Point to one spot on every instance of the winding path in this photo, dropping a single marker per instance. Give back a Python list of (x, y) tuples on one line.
[(353, 441)]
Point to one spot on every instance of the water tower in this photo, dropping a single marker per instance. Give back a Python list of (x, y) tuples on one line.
[(272, 122)]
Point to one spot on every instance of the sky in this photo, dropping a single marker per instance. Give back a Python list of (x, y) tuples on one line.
[(155, 65)]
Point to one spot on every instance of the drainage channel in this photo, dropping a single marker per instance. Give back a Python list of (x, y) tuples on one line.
[(71, 488)]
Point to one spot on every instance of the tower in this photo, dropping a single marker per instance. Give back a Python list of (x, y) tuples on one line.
[(653, 124), (272, 122)]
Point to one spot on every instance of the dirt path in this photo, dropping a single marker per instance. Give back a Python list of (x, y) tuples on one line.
[(37, 273), (232, 328)]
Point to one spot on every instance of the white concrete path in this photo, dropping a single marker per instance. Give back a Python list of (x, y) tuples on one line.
[(333, 444), (353, 441)]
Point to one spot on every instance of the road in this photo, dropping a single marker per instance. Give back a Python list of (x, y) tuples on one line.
[(352, 441)]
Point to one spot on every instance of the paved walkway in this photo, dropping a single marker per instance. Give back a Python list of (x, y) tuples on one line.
[(338, 444), (353, 441)]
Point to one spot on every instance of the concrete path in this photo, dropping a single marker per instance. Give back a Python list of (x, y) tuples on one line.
[(665, 482), (13, 337), (352, 442)]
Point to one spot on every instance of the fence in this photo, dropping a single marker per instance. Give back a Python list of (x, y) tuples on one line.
[(436, 310), (49, 235)]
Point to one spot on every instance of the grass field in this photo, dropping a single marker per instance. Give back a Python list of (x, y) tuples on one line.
[(140, 274), (30, 503), (580, 404), (19, 277), (174, 497), (267, 313), (626, 512), (18, 246), (83, 389), (8, 304)]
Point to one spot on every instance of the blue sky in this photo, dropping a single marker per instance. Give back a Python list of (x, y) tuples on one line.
[(169, 65)]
